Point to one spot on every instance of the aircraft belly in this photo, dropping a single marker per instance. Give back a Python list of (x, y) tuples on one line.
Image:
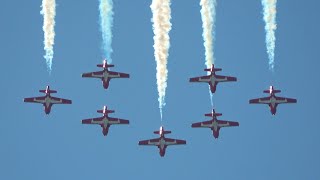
[(215, 127)]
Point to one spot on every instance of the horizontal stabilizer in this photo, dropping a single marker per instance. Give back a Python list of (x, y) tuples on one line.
[(215, 69), (213, 114), (273, 91), (48, 91), (105, 112), (105, 66), (164, 132)]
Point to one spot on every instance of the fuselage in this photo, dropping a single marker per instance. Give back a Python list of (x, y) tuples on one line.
[(105, 123), (106, 75), (47, 104), (273, 101), (162, 146)]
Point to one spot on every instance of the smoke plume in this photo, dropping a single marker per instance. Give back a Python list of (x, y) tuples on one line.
[(269, 17), (106, 23), (161, 27), (208, 16), (49, 12)]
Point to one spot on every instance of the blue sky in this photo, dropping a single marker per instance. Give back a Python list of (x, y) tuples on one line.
[(36, 146)]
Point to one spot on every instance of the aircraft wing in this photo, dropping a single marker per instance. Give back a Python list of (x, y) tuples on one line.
[(97, 74), (56, 100), (119, 74), (92, 120), (223, 123), (118, 121), (35, 99), (170, 141), (225, 78), (200, 79), (152, 142), (204, 124), (265, 100), (285, 100)]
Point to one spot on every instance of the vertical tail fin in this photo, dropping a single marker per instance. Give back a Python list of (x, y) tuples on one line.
[(161, 131), (213, 69), (105, 110), (213, 113), (105, 64), (47, 90), (272, 90)]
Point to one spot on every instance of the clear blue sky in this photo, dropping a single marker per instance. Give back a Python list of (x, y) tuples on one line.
[(35, 146)]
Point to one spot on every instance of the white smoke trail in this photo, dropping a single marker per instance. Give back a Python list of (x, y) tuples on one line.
[(106, 23), (208, 16), (211, 97), (49, 12), (161, 27), (269, 16)]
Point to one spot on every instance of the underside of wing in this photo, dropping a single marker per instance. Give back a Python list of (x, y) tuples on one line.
[(285, 100), (152, 142), (118, 121), (225, 78), (56, 100), (223, 123), (204, 124), (170, 141), (200, 79), (97, 74), (92, 121), (119, 74), (265, 100), (35, 99)]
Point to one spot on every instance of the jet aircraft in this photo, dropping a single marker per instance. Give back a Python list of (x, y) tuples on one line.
[(105, 121), (47, 100), (105, 75), (212, 78), (214, 124), (272, 100), (162, 142)]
